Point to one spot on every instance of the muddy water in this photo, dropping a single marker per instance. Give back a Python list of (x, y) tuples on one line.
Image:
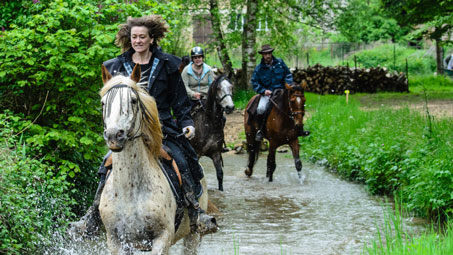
[(323, 215)]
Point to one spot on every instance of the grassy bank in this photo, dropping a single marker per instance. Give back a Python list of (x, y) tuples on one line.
[(393, 239), (387, 149)]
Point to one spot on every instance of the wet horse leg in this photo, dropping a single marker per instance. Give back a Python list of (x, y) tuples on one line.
[(294, 144), (217, 159), (271, 165), (252, 150)]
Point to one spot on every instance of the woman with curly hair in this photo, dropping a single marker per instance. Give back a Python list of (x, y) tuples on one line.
[(138, 39)]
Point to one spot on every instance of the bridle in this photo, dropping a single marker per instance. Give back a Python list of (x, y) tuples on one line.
[(219, 100), (111, 94), (292, 113)]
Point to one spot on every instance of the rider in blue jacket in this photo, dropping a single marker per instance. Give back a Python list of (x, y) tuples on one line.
[(272, 73)]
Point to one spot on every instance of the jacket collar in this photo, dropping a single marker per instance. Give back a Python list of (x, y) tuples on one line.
[(191, 72)]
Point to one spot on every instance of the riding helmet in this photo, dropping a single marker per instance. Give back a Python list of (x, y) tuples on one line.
[(196, 51)]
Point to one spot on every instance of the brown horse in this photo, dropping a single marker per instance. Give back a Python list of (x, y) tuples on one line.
[(284, 125)]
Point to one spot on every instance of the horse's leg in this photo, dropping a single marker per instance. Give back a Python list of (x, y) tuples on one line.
[(161, 244), (294, 144), (253, 150), (271, 160), (113, 243), (191, 242), (217, 159)]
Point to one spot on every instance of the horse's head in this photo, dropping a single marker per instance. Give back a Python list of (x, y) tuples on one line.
[(128, 111), (296, 101), (222, 89)]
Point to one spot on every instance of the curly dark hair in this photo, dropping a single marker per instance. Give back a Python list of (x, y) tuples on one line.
[(156, 29)]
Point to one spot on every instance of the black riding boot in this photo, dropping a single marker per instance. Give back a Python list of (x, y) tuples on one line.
[(199, 220), (90, 224), (259, 134)]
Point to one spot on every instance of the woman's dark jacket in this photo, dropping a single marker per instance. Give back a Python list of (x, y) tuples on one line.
[(165, 85)]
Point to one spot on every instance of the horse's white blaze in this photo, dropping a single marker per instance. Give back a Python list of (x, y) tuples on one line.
[(298, 100), (120, 115), (226, 88)]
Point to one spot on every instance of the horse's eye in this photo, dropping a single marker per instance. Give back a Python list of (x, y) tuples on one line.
[(134, 100)]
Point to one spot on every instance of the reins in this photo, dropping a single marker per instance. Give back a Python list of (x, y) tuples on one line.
[(291, 112)]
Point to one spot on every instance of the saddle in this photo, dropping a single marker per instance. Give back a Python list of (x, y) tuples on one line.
[(197, 105), (171, 171), (275, 100)]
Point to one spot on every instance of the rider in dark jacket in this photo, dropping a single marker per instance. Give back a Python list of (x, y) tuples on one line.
[(160, 76), (271, 74)]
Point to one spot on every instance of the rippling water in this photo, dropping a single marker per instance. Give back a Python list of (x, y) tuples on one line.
[(324, 215)]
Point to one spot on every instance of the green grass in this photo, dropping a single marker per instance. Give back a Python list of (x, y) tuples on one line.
[(386, 149), (393, 239)]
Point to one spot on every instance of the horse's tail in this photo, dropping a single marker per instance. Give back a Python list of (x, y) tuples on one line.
[(212, 208)]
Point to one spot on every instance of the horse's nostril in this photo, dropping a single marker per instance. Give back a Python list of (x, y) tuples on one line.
[(120, 134)]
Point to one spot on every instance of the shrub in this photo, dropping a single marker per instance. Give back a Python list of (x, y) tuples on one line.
[(35, 199)]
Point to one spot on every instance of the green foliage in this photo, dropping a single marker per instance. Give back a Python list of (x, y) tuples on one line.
[(388, 150), (35, 200), (432, 13), (393, 56), (394, 239), (50, 76), (364, 21), (242, 97)]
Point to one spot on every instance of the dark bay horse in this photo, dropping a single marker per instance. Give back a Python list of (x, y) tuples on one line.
[(284, 125), (209, 123)]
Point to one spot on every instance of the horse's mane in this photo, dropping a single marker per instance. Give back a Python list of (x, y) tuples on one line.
[(211, 92), (151, 128)]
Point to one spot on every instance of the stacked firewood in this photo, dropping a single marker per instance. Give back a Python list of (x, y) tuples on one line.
[(335, 80)]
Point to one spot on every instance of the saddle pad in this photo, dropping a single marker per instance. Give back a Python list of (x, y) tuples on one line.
[(173, 180)]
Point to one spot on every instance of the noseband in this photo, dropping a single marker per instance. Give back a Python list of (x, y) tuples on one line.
[(293, 113), (111, 94), (219, 100)]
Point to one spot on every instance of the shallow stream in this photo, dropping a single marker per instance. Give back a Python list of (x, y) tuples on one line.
[(324, 215)]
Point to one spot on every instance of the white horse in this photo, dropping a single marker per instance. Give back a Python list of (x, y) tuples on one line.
[(137, 205)]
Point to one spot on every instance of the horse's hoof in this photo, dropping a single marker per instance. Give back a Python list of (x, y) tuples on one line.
[(207, 224), (86, 227), (248, 172)]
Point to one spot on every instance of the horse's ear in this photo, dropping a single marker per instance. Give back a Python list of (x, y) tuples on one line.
[(304, 85), (106, 76), (288, 87), (136, 73)]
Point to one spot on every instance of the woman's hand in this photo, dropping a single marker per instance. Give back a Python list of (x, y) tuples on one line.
[(189, 132)]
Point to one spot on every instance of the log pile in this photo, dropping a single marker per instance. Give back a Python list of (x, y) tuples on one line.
[(335, 80)]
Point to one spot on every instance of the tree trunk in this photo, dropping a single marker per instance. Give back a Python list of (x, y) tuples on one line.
[(439, 62), (248, 44), (221, 46)]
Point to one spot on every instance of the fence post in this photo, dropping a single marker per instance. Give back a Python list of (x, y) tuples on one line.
[(407, 74), (394, 57), (355, 62), (308, 59)]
